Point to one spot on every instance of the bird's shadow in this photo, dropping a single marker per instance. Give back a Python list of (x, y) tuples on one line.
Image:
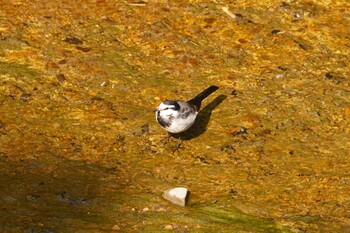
[(202, 120)]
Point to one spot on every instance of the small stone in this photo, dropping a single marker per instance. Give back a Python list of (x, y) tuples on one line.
[(115, 228), (159, 208), (61, 78), (275, 31), (25, 97), (168, 227), (278, 76), (84, 49), (62, 62), (32, 197), (145, 209), (282, 68), (177, 196), (104, 83), (329, 75), (73, 40), (7, 199), (238, 130)]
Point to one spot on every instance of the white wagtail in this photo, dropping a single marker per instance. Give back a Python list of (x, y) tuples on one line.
[(176, 116)]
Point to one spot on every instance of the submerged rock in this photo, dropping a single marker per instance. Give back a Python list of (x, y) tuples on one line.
[(168, 227), (177, 196)]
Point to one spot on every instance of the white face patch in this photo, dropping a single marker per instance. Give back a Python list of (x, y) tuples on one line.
[(167, 110), (163, 106)]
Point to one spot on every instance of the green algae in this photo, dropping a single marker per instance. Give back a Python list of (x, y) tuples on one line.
[(81, 151)]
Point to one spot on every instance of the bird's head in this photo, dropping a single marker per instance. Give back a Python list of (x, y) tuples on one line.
[(168, 107)]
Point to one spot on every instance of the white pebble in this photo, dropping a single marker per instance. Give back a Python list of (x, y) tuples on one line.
[(279, 76), (177, 196)]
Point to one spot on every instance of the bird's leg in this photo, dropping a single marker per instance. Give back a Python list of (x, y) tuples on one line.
[(178, 145), (166, 138)]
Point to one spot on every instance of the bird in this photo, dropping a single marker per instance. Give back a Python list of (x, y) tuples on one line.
[(176, 116)]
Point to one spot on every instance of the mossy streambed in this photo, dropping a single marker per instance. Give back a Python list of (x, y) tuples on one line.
[(80, 150)]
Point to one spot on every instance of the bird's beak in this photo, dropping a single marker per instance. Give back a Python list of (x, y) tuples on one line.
[(155, 110)]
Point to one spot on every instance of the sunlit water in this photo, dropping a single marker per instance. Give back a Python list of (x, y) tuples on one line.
[(80, 150)]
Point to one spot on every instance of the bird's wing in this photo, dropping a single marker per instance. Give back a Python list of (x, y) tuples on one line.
[(186, 108)]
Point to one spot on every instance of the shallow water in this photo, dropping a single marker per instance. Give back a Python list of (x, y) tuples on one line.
[(81, 150)]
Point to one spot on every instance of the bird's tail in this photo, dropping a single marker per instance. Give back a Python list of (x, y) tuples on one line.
[(196, 101)]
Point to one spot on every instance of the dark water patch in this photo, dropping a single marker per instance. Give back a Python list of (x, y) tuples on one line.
[(54, 195)]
